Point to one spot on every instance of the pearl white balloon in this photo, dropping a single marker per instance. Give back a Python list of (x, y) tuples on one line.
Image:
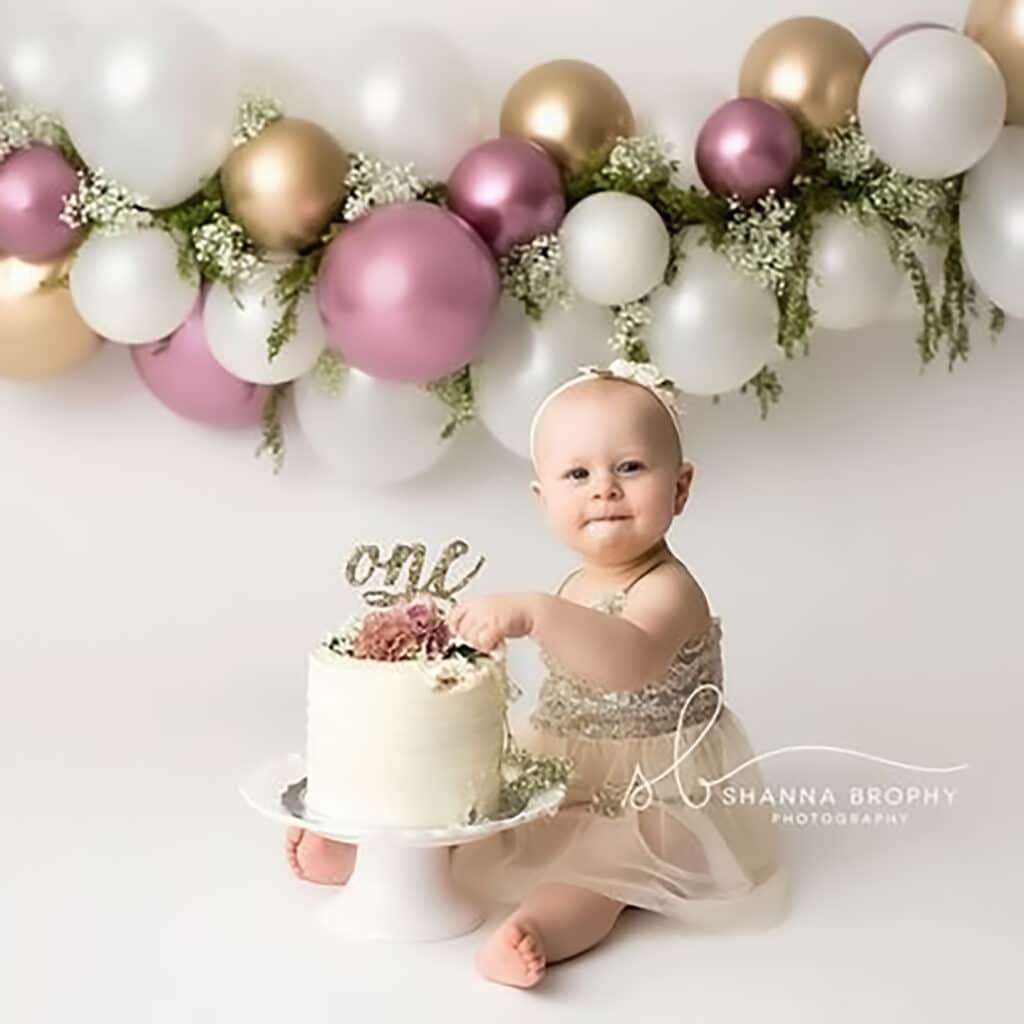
[(372, 430), (931, 103), (127, 287), (615, 248), (409, 95), (853, 277), (712, 327), (33, 58), (522, 360), (677, 119), (992, 221), (238, 325), (152, 98)]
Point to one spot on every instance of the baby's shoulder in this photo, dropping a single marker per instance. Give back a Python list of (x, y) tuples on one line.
[(670, 603)]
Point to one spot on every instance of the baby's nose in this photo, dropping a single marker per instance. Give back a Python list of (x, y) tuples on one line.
[(605, 486)]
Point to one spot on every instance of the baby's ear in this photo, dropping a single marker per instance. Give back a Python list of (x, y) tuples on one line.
[(535, 490)]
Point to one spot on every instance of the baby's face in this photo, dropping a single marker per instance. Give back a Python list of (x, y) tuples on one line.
[(609, 473)]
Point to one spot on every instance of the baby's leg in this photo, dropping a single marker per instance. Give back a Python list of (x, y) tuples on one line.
[(315, 859), (556, 921)]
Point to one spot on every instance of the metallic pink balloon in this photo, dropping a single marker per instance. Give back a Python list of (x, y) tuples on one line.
[(33, 184), (746, 147), (509, 190), (181, 371), (407, 292), (911, 26)]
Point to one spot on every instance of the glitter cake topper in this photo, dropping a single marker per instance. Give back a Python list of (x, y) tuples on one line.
[(415, 555)]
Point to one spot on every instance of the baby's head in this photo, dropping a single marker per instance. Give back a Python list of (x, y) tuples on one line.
[(605, 446)]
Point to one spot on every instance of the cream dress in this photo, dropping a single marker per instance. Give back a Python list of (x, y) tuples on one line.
[(703, 861)]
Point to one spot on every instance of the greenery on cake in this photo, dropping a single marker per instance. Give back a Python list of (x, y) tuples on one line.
[(411, 629)]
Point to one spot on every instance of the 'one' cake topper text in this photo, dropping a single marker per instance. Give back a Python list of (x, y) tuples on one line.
[(415, 555)]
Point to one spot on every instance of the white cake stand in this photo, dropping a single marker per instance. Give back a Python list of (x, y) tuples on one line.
[(401, 888)]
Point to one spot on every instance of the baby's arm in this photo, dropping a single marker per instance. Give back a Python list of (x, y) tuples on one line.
[(627, 651)]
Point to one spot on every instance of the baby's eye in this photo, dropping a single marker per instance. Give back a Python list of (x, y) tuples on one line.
[(630, 465), (577, 473)]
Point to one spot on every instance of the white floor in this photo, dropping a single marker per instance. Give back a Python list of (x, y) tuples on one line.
[(138, 887)]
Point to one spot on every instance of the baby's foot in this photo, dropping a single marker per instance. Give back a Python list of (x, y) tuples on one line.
[(513, 955), (315, 859)]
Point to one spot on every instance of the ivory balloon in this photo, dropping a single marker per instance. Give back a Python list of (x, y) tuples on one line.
[(712, 327), (284, 185), (238, 325), (410, 95), (615, 247), (571, 108), (853, 278), (522, 360), (998, 27), (809, 66), (41, 333), (33, 60), (932, 103), (372, 430), (991, 215), (677, 119), (152, 98), (127, 287)]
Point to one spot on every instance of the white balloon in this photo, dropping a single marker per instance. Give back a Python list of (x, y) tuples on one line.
[(238, 325), (712, 327), (615, 248), (853, 277), (521, 360), (931, 103), (152, 98), (33, 56), (677, 119), (410, 95), (373, 430), (127, 287), (992, 221)]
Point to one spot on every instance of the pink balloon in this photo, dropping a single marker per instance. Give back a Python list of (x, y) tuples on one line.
[(911, 26), (33, 184), (509, 190), (746, 147), (407, 292), (181, 371)]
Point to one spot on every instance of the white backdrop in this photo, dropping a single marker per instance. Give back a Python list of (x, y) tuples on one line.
[(160, 589)]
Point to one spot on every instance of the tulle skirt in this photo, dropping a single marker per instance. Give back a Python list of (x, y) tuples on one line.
[(714, 865)]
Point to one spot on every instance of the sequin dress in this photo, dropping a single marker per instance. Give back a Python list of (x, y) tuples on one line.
[(707, 860)]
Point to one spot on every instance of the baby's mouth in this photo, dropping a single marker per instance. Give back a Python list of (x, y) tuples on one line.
[(607, 519)]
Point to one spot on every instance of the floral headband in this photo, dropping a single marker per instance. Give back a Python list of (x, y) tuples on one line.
[(647, 375)]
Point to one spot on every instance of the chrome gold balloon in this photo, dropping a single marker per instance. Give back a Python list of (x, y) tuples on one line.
[(41, 333), (571, 108), (998, 27), (810, 67), (284, 185)]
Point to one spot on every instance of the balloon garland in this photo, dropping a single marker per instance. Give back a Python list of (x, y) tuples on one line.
[(239, 251)]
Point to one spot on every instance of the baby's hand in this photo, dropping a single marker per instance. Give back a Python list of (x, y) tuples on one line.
[(487, 621)]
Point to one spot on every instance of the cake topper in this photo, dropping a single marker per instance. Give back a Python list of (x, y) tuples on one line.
[(415, 555)]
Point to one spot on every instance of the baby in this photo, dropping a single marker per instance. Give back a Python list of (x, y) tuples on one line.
[(626, 644)]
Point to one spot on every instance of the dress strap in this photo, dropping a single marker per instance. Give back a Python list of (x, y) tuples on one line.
[(565, 579), (636, 579)]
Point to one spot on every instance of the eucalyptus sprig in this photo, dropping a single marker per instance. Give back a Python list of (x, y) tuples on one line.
[(290, 285), (455, 390), (272, 441)]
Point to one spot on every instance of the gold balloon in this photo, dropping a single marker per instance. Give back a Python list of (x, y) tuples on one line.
[(998, 27), (571, 108), (41, 333), (811, 67), (284, 185)]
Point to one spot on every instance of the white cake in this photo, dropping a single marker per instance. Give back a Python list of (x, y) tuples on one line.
[(415, 742)]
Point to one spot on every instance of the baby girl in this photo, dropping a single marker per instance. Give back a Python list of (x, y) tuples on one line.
[(626, 640)]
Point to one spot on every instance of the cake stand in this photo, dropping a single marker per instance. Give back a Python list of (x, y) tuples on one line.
[(401, 888)]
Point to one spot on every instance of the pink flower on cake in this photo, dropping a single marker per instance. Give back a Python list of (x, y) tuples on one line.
[(403, 631)]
